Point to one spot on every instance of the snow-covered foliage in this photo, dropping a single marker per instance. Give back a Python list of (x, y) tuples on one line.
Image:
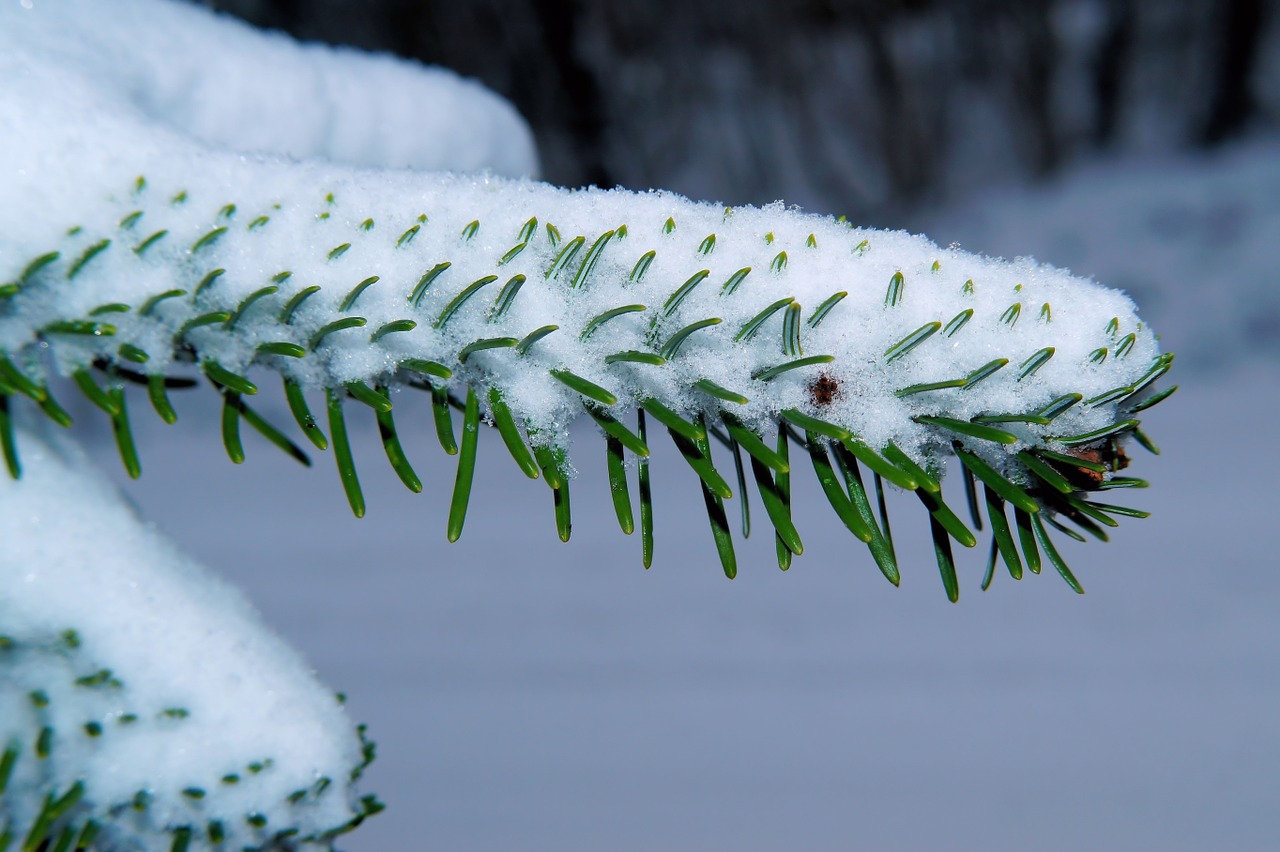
[(135, 213), (488, 260), (144, 692), (157, 230)]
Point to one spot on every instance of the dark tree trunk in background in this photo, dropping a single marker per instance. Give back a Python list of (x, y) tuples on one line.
[(1033, 78), (903, 146), (1115, 50), (854, 106), (1235, 53)]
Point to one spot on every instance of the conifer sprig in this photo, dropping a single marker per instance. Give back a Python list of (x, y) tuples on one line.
[(480, 343)]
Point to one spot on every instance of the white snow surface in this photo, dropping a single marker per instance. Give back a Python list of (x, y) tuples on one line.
[(198, 688), (221, 83)]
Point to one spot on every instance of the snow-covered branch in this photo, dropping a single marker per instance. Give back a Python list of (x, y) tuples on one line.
[(181, 206)]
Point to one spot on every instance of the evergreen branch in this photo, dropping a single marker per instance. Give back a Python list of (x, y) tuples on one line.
[(459, 343)]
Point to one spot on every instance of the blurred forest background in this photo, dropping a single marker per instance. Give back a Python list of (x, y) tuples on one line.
[(863, 107)]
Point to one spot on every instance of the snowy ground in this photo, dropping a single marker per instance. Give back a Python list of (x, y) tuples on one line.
[(533, 695)]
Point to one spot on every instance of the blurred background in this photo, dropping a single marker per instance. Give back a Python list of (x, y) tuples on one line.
[(533, 695), (865, 107)]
